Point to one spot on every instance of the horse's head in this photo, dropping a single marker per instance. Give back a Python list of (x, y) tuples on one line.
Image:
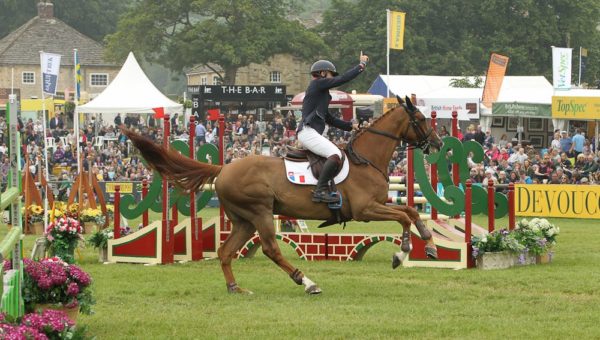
[(415, 129)]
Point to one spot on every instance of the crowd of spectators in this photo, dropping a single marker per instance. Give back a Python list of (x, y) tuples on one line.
[(567, 160)]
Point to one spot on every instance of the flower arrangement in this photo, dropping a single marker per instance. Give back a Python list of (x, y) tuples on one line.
[(35, 213), (73, 211), (496, 241), (53, 281), (49, 324), (62, 237), (100, 238), (92, 215), (537, 235)]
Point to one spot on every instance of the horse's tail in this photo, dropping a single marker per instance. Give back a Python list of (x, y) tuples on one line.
[(185, 172)]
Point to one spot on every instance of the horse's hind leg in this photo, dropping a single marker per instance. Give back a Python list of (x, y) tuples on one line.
[(413, 214), (270, 248), (241, 232)]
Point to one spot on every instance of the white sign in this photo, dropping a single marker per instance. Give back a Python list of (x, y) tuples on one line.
[(444, 106), (561, 67), (50, 67)]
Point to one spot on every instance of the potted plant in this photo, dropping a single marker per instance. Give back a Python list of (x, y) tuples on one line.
[(91, 218), (54, 284), (495, 250), (73, 211), (99, 240), (62, 237), (35, 215), (538, 237)]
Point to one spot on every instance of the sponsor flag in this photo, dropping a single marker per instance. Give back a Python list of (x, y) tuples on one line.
[(213, 114), (396, 30), (77, 77), (561, 67), (159, 112), (292, 176), (494, 78), (50, 68), (583, 53)]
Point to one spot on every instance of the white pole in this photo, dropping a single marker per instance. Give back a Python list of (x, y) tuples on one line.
[(76, 113), (387, 30)]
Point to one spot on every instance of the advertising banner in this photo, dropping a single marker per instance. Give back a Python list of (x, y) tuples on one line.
[(50, 68), (579, 108), (494, 78), (561, 67), (553, 200), (522, 110), (397, 30)]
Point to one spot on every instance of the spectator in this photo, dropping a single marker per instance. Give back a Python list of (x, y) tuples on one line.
[(489, 139), (566, 143), (578, 142)]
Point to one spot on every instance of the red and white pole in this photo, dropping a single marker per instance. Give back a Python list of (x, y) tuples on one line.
[(221, 162), (117, 211), (195, 223), (168, 241), (468, 215), (144, 194)]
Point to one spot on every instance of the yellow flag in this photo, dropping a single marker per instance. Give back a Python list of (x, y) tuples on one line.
[(396, 30)]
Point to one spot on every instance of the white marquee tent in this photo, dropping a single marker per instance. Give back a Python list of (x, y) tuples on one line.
[(130, 92)]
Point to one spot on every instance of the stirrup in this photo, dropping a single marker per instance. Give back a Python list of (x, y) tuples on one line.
[(324, 196)]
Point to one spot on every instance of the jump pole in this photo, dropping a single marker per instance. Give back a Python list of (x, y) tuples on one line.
[(433, 167), (144, 194), (468, 206), (168, 241), (195, 224), (117, 217), (491, 205), (221, 161)]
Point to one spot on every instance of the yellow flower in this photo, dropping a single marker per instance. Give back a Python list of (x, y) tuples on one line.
[(73, 207), (36, 209)]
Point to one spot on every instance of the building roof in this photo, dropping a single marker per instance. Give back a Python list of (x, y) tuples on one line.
[(203, 68), (49, 34)]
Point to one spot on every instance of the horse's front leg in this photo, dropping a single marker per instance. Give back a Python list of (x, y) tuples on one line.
[(380, 212), (413, 214)]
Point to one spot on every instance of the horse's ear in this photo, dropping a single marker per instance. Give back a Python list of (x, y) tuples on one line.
[(400, 101), (410, 104)]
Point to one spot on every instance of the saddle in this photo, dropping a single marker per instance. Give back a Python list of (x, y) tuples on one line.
[(315, 161)]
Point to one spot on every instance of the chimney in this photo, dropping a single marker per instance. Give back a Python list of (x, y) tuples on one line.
[(45, 9)]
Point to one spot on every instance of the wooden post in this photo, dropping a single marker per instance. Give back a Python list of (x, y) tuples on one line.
[(491, 205), (433, 167)]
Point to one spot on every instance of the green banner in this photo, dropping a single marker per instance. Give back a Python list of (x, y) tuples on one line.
[(522, 110)]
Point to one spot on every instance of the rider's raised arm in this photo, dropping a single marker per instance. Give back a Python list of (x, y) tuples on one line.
[(328, 83)]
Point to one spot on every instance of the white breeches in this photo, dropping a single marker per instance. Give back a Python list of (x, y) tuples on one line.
[(317, 143)]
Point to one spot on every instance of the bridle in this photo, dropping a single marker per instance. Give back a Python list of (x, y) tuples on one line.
[(422, 143)]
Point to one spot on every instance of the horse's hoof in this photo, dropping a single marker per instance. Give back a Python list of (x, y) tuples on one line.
[(313, 290), (431, 253), (397, 259), (235, 289)]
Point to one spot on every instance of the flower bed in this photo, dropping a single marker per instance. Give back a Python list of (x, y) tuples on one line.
[(49, 324), (530, 242), (62, 237)]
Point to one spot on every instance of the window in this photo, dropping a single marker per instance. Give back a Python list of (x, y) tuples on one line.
[(216, 80), (275, 77), (203, 81), (99, 79), (28, 78)]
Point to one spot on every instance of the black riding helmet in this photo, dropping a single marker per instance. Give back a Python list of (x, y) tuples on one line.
[(323, 65)]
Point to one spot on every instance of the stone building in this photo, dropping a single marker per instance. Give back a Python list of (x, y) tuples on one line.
[(20, 53)]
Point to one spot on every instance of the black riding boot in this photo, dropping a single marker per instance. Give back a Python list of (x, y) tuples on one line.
[(321, 193)]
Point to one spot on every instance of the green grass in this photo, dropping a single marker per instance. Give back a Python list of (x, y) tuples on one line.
[(363, 299)]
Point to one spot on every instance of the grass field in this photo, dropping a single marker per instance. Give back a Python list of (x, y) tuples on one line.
[(363, 299)]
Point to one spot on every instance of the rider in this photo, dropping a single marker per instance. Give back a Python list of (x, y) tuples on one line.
[(315, 115)]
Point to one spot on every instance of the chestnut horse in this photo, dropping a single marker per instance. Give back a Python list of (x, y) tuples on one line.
[(254, 188)]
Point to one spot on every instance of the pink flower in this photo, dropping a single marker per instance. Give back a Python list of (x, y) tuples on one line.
[(73, 289)]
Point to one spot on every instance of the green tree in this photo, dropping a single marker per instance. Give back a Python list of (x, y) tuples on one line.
[(457, 37), (230, 33), (94, 18)]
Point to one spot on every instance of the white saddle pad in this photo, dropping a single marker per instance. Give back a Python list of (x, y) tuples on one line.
[(300, 173)]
